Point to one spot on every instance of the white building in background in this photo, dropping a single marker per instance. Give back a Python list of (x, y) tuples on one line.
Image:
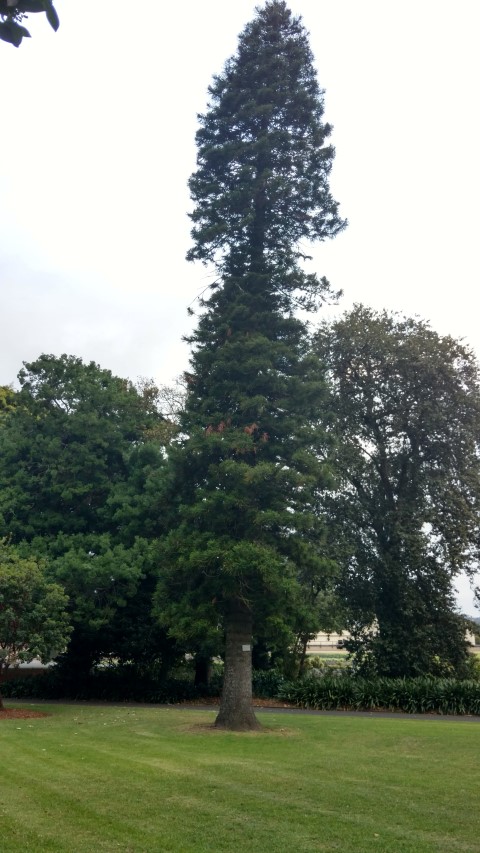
[(325, 641), (470, 638)]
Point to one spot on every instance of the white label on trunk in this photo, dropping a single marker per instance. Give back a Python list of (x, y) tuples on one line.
[(246, 647)]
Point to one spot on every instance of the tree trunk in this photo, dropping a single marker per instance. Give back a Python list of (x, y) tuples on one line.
[(303, 654), (236, 711)]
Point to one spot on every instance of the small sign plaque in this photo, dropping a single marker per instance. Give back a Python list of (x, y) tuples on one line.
[(246, 647)]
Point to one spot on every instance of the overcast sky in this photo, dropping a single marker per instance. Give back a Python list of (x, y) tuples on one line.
[(98, 143)]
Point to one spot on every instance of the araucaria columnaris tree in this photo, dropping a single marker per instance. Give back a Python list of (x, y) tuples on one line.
[(247, 467)]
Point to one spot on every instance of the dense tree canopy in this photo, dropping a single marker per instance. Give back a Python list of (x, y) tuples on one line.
[(7, 400), (66, 445), (82, 470), (407, 406), (34, 621), (245, 471)]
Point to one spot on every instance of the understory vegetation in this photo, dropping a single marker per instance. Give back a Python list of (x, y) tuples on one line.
[(332, 687), (410, 695)]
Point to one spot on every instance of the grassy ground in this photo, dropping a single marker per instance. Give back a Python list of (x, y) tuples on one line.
[(122, 779), (327, 655)]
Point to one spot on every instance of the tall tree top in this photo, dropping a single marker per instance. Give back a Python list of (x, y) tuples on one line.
[(261, 183)]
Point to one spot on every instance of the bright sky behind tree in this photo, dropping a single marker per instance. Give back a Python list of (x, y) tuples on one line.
[(99, 122)]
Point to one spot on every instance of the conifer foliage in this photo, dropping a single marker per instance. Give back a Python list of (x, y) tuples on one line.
[(261, 185), (245, 470)]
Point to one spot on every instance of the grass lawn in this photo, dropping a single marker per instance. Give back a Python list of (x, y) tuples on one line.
[(134, 779), (337, 655)]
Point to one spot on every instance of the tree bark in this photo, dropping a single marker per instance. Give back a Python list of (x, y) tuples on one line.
[(303, 655), (236, 711)]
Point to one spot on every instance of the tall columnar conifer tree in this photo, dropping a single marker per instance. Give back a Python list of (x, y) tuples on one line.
[(246, 468)]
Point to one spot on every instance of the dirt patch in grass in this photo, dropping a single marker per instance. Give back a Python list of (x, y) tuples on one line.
[(20, 714), (209, 728), (271, 703)]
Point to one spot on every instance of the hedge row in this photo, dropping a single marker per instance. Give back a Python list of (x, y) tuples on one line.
[(411, 695), (126, 684), (113, 684), (328, 692)]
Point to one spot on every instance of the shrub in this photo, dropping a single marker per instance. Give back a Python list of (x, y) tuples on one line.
[(121, 683), (267, 683), (411, 695)]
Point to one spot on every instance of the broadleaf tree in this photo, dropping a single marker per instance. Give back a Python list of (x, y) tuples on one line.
[(82, 468), (406, 506), (65, 446), (34, 622), (7, 401), (245, 469)]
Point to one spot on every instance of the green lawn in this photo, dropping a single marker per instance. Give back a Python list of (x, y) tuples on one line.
[(123, 779)]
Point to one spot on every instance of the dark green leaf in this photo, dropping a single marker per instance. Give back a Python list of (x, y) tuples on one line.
[(13, 33), (51, 14)]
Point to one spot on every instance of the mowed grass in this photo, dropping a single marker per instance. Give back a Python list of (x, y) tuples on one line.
[(152, 779)]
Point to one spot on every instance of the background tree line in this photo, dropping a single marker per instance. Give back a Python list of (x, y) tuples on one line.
[(89, 489)]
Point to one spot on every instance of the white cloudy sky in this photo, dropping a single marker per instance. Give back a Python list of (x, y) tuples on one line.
[(98, 143)]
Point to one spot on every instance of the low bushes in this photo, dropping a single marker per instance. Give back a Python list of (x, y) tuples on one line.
[(123, 683), (411, 695), (267, 683)]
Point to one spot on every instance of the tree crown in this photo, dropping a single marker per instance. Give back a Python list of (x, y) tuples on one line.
[(261, 185)]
